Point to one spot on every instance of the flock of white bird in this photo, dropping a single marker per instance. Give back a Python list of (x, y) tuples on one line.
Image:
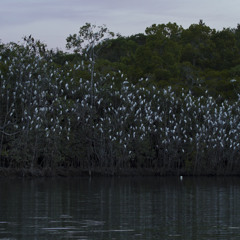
[(41, 100)]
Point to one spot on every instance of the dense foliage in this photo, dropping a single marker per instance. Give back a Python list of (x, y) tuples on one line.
[(167, 101), (198, 58)]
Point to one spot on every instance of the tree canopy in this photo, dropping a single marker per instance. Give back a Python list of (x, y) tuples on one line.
[(197, 58)]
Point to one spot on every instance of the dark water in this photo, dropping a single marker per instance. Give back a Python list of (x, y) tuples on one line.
[(120, 208)]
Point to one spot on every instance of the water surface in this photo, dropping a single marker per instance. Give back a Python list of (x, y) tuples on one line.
[(120, 208)]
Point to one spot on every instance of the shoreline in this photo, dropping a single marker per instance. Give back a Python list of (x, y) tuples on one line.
[(77, 172)]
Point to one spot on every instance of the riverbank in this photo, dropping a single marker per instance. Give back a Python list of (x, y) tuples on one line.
[(77, 172)]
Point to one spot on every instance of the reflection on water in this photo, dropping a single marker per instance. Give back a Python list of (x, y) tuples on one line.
[(120, 208)]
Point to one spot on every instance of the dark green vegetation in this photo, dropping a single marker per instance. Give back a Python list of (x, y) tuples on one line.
[(164, 102)]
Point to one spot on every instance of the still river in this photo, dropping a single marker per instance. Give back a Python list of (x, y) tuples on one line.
[(120, 208)]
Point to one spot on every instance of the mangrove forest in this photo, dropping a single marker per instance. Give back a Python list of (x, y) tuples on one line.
[(162, 102)]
